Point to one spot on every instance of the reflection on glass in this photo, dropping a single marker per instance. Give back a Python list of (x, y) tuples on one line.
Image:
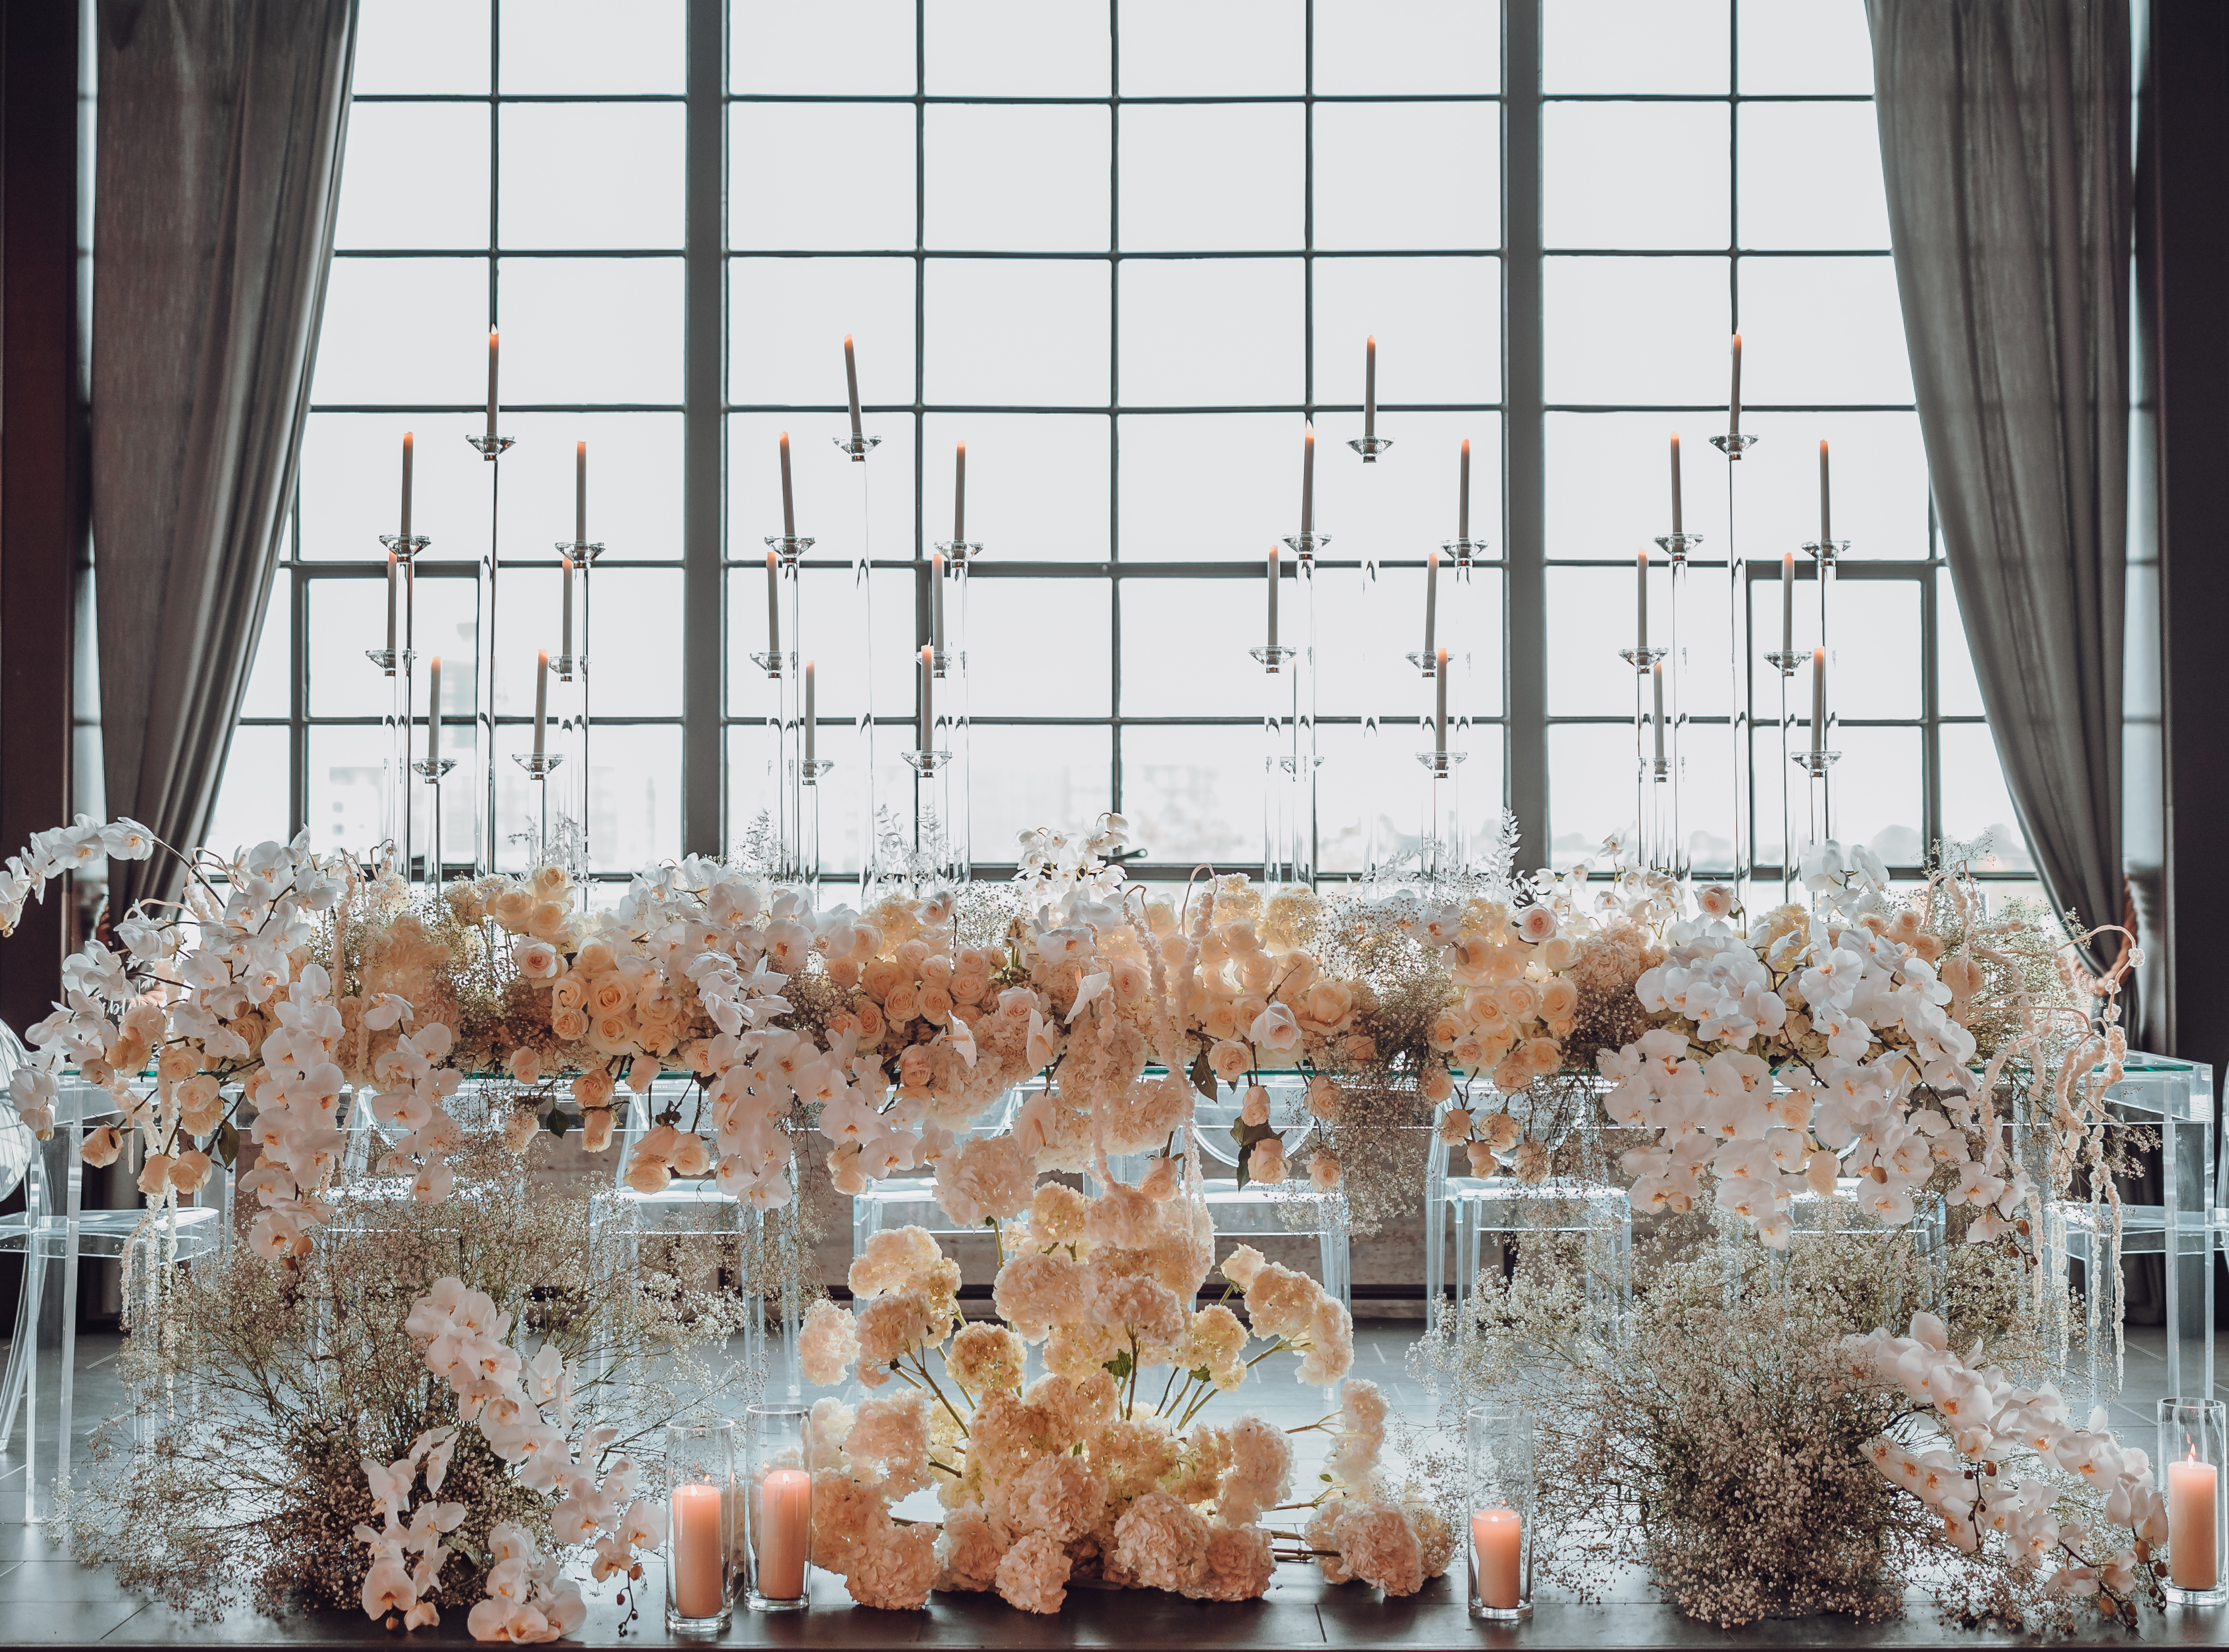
[(347, 772)]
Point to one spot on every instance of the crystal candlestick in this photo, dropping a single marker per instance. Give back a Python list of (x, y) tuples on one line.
[(861, 619), (782, 660), (951, 656), (1745, 832), (1651, 840), (490, 450), (430, 769), (1301, 861), (572, 668), (399, 665), (1281, 731), (1674, 846), (539, 766)]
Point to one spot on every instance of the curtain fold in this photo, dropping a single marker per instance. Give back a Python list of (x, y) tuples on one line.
[(2004, 137), (220, 131)]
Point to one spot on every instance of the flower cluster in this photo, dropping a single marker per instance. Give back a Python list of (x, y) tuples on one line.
[(1954, 1449)]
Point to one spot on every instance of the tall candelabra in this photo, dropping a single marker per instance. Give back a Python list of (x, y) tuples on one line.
[(577, 561), (1661, 701), (788, 724), (948, 577), (857, 447), (398, 661), (1734, 444), (1369, 518), (491, 447), (1292, 859), (1818, 760)]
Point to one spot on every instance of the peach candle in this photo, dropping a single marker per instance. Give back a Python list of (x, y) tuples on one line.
[(698, 1575), (1496, 1536), (785, 1525), (2191, 1535)]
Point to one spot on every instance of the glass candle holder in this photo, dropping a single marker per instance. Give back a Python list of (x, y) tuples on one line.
[(2194, 1468), (777, 1507), (1498, 1444), (700, 1506)]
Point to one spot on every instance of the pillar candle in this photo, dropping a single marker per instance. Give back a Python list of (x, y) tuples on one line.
[(1440, 671), (1272, 595), (959, 494), (579, 493), (433, 716), (1641, 599), (785, 1523), (410, 449), (936, 600), (540, 696), (774, 617), (928, 702), (1733, 397), (565, 564), (1656, 672), (852, 383), (1818, 700), (1787, 608), (390, 603), (809, 722), (1369, 388), (1462, 495), (699, 1570), (2191, 1535), (1431, 599), (1496, 1536), (490, 406), (1826, 516), (788, 500), (1676, 524), (1308, 480)]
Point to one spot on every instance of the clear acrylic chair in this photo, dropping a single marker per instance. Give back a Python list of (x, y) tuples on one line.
[(1503, 1211), (53, 1234), (909, 1201)]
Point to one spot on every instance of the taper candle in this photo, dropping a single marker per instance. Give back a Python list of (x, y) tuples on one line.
[(927, 701), (540, 697), (959, 494), (410, 449), (1369, 389), (490, 406), (2191, 1535), (1463, 495), (579, 493), (1496, 1537), (788, 499), (1826, 516), (852, 383), (1440, 671), (566, 567), (1676, 521), (1640, 601), (1656, 672), (1431, 599), (1787, 609), (1308, 480), (809, 725), (1818, 700), (1733, 397), (433, 717), (936, 601), (1272, 595)]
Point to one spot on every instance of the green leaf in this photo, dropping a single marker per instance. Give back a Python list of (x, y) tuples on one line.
[(1120, 1365), (558, 1123), (1203, 1076), (227, 1143)]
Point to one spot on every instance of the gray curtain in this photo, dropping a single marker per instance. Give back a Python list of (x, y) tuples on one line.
[(217, 171), (2004, 137)]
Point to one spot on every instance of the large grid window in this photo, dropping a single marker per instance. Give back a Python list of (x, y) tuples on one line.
[(1123, 251)]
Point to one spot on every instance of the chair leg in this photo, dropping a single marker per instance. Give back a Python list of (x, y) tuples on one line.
[(23, 1348)]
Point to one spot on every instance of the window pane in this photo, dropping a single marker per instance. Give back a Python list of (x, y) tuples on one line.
[(421, 46), (834, 637), (1811, 177), (1609, 483), (1011, 677), (634, 796), (1633, 46), (253, 801), (1017, 48), (1364, 641), (826, 484), (842, 793), (1822, 329), (1025, 180), (1408, 175), (347, 617), (404, 331), (1805, 46), (1194, 793), (1437, 321), (1406, 45), (1023, 778), (634, 487), (1207, 178), (1874, 644), (1876, 789), (1633, 175), (562, 46), (415, 175), (634, 653), (591, 329), (1600, 607), (863, 48), (1017, 331), (1410, 500), (271, 677), (1212, 332), (1207, 486), (1183, 647), (1639, 329), (1976, 801), (1036, 485), (789, 319), (345, 786), (1955, 684), (592, 175), (1174, 48), (783, 192), (1592, 781), (1357, 781), (1880, 488), (352, 483)]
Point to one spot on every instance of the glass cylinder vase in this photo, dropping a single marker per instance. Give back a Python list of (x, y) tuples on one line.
[(1497, 1443), (777, 1507), (2193, 1470), (700, 1493)]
